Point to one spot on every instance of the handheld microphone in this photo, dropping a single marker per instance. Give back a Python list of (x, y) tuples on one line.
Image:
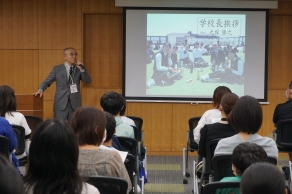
[(82, 67)]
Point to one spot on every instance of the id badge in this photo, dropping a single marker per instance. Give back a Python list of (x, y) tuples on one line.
[(73, 88)]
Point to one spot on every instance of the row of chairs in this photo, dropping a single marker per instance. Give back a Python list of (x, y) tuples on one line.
[(131, 162), (219, 167)]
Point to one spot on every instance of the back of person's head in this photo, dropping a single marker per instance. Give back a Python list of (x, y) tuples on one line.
[(53, 160), (288, 91), (89, 125), (246, 154), (10, 180), (228, 100), (218, 93), (122, 111), (262, 178), (7, 100), (110, 126), (246, 115), (111, 102)]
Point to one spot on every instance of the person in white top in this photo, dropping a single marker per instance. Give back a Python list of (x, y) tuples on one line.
[(8, 107), (122, 113), (212, 115), (53, 161)]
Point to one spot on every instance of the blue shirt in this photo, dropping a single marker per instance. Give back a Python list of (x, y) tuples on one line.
[(7, 131)]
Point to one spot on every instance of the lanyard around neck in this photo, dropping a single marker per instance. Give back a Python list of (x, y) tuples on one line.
[(73, 73)]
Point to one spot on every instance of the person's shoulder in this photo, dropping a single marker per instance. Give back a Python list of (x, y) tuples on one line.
[(212, 112), (228, 140), (60, 66), (266, 140), (17, 114)]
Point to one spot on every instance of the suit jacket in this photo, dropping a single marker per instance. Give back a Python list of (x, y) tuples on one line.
[(220, 58), (59, 74)]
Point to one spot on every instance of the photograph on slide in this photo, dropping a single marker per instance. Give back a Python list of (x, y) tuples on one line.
[(194, 53)]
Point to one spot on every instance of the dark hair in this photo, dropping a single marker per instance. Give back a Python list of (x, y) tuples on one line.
[(246, 115), (228, 100), (53, 160), (246, 154), (111, 102), (124, 106), (7, 100), (110, 126), (10, 180), (262, 178), (218, 93), (290, 85), (89, 124)]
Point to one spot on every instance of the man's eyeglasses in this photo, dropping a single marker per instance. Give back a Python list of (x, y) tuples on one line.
[(72, 54)]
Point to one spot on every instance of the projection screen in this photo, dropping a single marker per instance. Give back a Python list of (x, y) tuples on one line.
[(184, 54)]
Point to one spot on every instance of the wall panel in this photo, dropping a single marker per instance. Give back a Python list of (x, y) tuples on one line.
[(103, 49), (59, 24), (157, 124), (100, 6), (19, 70), (279, 51), (18, 21), (91, 96)]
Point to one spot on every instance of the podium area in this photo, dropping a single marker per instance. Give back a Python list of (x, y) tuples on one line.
[(29, 104)]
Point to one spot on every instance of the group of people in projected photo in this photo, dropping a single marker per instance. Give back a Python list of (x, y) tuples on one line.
[(212, 63)]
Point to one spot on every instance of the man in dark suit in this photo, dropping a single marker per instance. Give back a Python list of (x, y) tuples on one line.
[(217, 57), (283, 111), (67, 77)]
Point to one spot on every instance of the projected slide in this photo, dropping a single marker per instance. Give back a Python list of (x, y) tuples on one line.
[(193, 53), (183, 55)]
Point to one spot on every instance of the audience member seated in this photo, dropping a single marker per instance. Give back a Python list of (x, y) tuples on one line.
[(53, 159), (111, 139), (246, 118), (89, 125), (10, 181), (7, 131), (284, 111), (263, 178), (212, 115), (8, 110), (112, 102), (244, 155), (122, 113), (220, 129)]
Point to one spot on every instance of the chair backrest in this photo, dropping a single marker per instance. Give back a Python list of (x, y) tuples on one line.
[(102, 184), (20, 135), (210, 188), (138, 121), (130, 166), (210, 149), (222, 167), (193, 122), (137, 133), (4, 146), (272, 160), (33, 122), (128, 144), (284, 133)]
